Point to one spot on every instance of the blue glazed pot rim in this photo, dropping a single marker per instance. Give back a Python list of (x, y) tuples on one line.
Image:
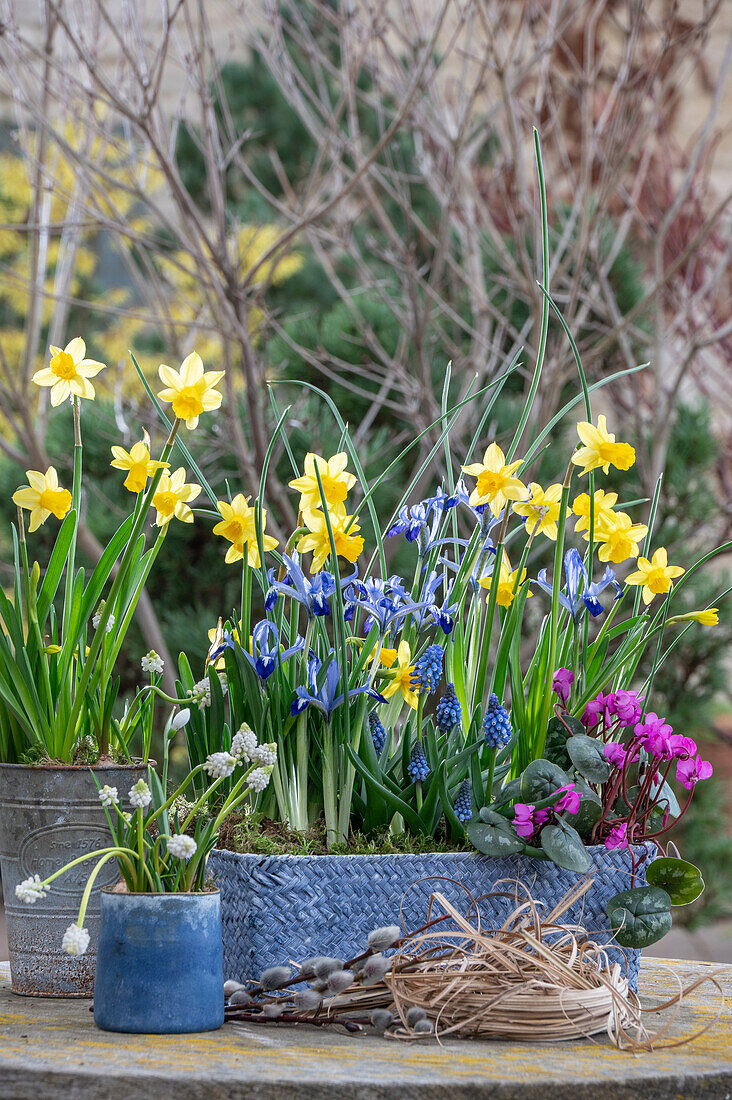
[(157, 894)]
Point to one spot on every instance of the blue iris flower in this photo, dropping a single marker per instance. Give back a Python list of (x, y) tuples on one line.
[(266, 652), (387, 603), (580, 591), (422, 521), (311, 593), (441, 613), (324, 695)]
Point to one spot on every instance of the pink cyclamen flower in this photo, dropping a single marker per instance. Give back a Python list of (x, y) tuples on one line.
[(527, 819), (523, 819), (628, 707), (562, 684), (682, 747), (618, 837), (654, 734), (689, 772), (599, 709), (615, 753), (569, 801)]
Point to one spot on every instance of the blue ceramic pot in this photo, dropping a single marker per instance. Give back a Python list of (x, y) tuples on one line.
[(159, 963)]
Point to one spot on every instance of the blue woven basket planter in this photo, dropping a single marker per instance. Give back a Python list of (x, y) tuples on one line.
[(276, 908)]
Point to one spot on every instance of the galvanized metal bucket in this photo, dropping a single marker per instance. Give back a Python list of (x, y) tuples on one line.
[(49, 815)]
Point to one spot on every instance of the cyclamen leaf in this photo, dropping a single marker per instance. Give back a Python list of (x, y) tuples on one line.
[(590, 809), (588, 758), (641, 916), (682, 881), (495, 838), (556, 739), (540, 780), (564, 847)]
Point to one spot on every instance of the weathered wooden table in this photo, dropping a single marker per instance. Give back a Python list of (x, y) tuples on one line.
[(52, 1049)]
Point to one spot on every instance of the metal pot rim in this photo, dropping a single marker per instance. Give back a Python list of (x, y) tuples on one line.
[(130, 765)]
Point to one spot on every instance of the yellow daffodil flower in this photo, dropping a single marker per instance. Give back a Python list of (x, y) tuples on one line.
[(69, 372), (708, 617), (42, 496), (600, 448), (190, 390), (138, 463), (496, 481), (387, 657), (619, 538), (348, 543), (506, 583), (541, 511), (172, 497), (402, 678), (336, 482), (239, 527), (655, 575), (604, 504)]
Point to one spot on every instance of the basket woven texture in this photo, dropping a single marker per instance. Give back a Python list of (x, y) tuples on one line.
[(276, 908)]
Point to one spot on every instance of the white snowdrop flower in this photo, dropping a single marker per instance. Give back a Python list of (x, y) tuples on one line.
[(219, 765), (75, 941), (30, 890), (181, 846), (139, 795), (200, 693), (152, 662), (259, 779), (244, 743), (265, 754), (181, 719), (108, 795)]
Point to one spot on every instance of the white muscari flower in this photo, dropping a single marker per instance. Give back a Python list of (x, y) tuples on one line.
[(200, 693), (97, 618), (244, 743), (30, 890), (224, 683), (108, 795), (181, 846), (127, 816), (75, 941), (265, 754), (220, 765), (139, 795), (153, 663), (259, 779)]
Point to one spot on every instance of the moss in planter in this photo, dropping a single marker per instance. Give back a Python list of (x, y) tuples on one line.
[(261, 836)]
